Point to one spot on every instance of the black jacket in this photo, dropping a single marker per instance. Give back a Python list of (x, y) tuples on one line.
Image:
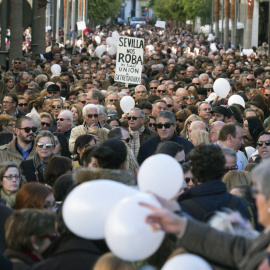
[(5, 212), (30, 172), (149, 147)]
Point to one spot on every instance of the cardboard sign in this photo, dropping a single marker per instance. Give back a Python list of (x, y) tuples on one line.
[(161, 24), (81, 25), (129, 60)]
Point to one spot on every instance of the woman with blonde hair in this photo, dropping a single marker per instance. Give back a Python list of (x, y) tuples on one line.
[(197, 137), (109, 261), (189, 120), (234, 179)]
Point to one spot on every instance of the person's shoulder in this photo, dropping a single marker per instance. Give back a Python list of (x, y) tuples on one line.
[(4, 147)]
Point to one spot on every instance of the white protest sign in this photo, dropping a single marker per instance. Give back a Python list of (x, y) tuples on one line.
[(161, 24), (81, 25), (129, 60)]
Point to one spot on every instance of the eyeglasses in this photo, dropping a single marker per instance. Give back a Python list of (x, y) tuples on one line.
[(153, 87), (182, 73), (250, 79), (12, 176), (163, 91), (133, 118), (47, 145), (28, 129), (206, 109), (267, 95), (45, 124), (92, 115), (22, 104), (6, 102), (210, 90), (127, 140), (184, 98), (61, 119), (196, 83), (113, 100), (56, 106), (187, 179), (169, 105), (180, 120), (51, 206), (66, 107), (234, 168), (83, 101), (17, 63), (190, 97), (151, 124), (260, 143), (166, 125)]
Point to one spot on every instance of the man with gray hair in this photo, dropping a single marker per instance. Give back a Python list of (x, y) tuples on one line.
[(64, 123), (165, 125), (138, 130), (140, 91), (94, 96), (204, 79)]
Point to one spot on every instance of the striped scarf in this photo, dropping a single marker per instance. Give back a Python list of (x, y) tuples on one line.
[(135, 144)]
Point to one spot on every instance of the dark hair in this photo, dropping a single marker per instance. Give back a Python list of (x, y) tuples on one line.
[(5, 137), (64, 144), (81, 142), (111, 154), (62, 186), (207, 162), (255, 127), (13, 96), (145, 104), (115, 133), (169, 148), (87, 155), (186, 167), (57, 166), (19, 121), (226, 130)]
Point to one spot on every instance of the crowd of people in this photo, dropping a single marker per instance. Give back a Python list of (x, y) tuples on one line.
[(60, 127)]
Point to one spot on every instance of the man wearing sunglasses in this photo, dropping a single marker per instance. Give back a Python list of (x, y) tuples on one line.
[(263, 148), (22, 147), (165, 125), (162, 91), (138, 130), (64, 123)]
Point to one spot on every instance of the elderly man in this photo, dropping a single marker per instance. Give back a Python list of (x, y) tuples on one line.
[(112, 98), (191, 72), (182, 94), (204, 79), (162, 91), (217, 71), (214, 130), (94, 96), (170, 103), (21, 147), (22, 85), (197, 125), (204, 111), (64, 123), (138, 130), (153, 87), (159, 106), (90, 116), (232, 136), (251, 82), (140, 91), (165, 124)]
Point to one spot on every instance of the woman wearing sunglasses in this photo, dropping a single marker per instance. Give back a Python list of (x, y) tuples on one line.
[(57, 106), (34, 169)]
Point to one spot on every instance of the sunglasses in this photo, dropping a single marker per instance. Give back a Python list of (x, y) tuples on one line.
[(210, 90), (47, 145), (151, 124), (28, 129), (56, 106), (17, 63), (66, 107), (113, 100), (166, 125), (163, 91), (92, 115), (260, 143), (234, 168), (61, 119), (132, 117), (187, 179), (180, 120), (83, 101), (22, 104), (52, 92), (182, 73), (267, 95), (45, 124), (169, 105), (190, 97), (153, 87)]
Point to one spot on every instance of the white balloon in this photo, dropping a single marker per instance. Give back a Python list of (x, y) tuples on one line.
[(162, 175), (98, 39), (221, 87), (127, 103), (115, 35), (138, 25), (109, 40), (247, 52), (187, 262), (86, 207), (112, 51), (55, 69), (250, 150), (236, 99), (100, 50), (211, 97), (127, 234)]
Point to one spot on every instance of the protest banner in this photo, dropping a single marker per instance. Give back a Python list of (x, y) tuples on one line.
[(161, 24), (129, 60)]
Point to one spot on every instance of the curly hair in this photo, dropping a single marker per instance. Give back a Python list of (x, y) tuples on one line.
[(207, 162)]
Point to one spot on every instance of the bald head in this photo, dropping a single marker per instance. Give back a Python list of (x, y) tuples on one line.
[(197, 125), (214, 129)]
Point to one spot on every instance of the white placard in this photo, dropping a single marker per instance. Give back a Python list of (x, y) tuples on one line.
[(81, 25), (161, 24), (129, 60)]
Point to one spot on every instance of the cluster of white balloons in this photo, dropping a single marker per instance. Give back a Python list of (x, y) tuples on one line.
[(112, 43), (107, 209)]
